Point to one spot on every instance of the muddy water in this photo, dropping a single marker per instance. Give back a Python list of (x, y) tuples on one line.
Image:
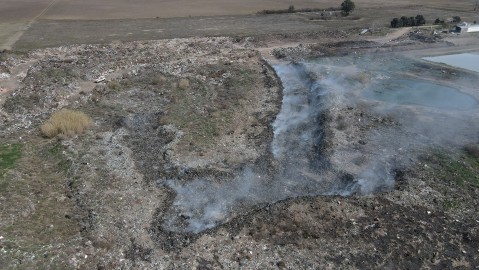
[(468, 61), (423, 93)]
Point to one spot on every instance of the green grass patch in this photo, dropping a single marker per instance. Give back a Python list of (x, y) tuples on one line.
[(62, 74), (37, 196), (187, 112), (204, 112), (450, 204), (462, 169), (63, 164), (9, 154)]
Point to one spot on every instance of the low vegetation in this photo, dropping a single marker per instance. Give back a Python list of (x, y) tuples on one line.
[(36, 218), (9, 154), (291, 9), (66, 122), (463, 170), (346, 8), (472, 150)]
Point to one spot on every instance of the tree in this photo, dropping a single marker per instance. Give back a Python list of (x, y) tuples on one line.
[(395, 23), (420, 20), (347, 7), (456, 19), (411, 21)]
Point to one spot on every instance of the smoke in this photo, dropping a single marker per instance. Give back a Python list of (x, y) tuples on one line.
[(202, 203), (310, 89)]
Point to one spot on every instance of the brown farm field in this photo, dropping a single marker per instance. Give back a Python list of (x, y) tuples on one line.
[(122, 9), (69, 19)]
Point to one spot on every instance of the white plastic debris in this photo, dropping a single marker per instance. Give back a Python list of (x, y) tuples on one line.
[(100, 79)]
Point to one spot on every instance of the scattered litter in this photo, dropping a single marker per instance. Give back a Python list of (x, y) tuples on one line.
[(364, 31), (100, 79)]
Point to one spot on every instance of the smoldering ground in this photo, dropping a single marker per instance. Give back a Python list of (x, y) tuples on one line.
[(312, 90)]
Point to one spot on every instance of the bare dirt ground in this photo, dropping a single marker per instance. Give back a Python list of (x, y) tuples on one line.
[(188, 108), (106, 21)]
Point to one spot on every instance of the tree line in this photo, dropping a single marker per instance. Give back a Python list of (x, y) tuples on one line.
[(408, 21)]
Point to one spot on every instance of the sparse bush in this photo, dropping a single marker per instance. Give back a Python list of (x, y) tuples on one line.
[(159, 80), (472, 150), (438, 21), (183, 84), (114, 85), (65, 122), (456, 19), (291, 9)]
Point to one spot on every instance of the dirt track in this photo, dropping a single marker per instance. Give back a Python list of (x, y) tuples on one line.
[(63, 23)]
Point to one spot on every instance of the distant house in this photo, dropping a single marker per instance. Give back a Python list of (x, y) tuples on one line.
[(473, 28), (465, 27)]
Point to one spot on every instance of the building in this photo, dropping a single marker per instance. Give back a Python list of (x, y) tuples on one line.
[(473, 28), (465, 27)]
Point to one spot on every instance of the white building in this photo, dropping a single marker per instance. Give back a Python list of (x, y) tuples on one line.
[(465, 27), (473, 28)]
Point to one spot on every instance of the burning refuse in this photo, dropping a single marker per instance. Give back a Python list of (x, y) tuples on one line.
[(310, 157)]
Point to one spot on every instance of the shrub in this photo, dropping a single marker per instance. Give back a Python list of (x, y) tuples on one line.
[(456, 19), (158, 80), (65, 122), (183, 84), (114, 85), (347, 7), (291, 9), (472, 150)]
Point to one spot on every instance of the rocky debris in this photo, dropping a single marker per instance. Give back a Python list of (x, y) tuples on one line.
[(162, 110), (425, 37), (281, 53)]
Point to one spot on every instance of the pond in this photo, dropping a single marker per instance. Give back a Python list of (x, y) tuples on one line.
[(423, 93), (468, 61)]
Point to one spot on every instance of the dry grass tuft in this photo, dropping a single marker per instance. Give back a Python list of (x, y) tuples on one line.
[(66, 122), (160, 80), (184, 84), (472, 149)]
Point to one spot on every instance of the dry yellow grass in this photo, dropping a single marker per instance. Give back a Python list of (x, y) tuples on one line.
[(183, 84), (66, 122)]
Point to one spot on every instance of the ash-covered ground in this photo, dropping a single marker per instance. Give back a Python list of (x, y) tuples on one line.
[(203, 155)]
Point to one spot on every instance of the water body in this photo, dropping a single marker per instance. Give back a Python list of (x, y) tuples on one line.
[(422, 93), (468, 61)]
